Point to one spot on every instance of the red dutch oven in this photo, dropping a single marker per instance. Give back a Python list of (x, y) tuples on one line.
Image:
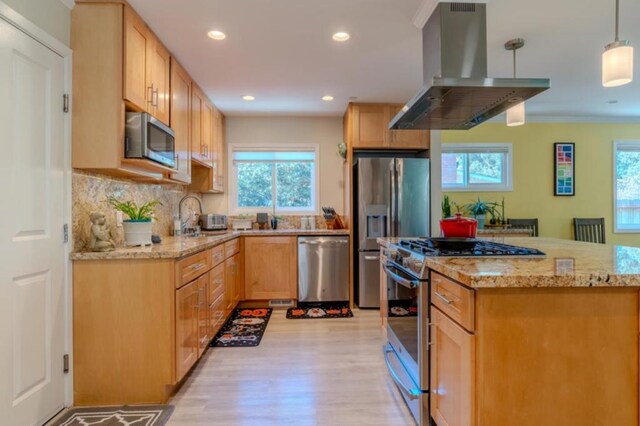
[(458, 226)]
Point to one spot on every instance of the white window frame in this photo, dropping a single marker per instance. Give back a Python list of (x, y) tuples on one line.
[(233, 180), (466, 148), (616, 145)]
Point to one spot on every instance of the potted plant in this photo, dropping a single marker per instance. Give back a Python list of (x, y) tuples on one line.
[(496, 210), (479, 210), (446, 207), (137, 229)]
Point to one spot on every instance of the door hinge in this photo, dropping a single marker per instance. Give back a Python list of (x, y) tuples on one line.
[(65, 233), (65, 363), (65, 102)]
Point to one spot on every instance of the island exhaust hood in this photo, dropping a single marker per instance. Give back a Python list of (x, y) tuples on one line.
[(457, 93)]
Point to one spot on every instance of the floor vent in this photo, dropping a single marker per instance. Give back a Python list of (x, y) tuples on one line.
[(281, 303)]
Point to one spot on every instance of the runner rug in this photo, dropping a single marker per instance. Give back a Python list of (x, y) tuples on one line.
[(244, 327), (322, 310)]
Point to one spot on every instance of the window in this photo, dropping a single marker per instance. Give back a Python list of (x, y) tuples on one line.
[(476, 167), (626, 191), (264, 178)]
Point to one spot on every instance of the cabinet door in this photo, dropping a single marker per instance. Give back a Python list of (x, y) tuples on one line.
[(218, 151), (204, 336), (369, 125), (230, 279), (237, 282), (207, 132), (180, 120), (215, 299), (403, 139), (159, 65), (137, 87), (270, 268), (452, 372), (186, 328), (197, 106)]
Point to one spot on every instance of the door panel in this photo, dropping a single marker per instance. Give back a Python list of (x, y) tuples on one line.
[(32, 303), (180, 120), (136, 44), (374, 198), (413, 197), (369, 279), (159, 60)]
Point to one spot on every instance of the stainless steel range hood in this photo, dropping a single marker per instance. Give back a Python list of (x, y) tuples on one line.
[(457, 92)]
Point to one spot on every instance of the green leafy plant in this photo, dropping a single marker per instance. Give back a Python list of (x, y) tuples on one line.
[(144, 213), (478, 208), (446, 207), (496, 210)]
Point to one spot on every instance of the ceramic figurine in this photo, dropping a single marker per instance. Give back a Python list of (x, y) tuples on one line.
[(100, 235)]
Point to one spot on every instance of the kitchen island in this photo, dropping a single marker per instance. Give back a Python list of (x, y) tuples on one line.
[(542, 340)]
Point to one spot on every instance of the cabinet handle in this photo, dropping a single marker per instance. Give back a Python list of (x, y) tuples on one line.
[(156, 97), (444, 299), (196, 267)]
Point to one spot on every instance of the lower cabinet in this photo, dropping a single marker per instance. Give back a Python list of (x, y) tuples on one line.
[(204, 335), (452, 372), (186, 328), (270, 268), (231, 283), (215, 299)]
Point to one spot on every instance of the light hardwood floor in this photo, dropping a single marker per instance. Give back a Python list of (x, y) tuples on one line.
[(305, 372)]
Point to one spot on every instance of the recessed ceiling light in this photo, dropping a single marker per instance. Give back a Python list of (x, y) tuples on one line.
[(217, 35), (327, 98), (341, 36), (248, 98)]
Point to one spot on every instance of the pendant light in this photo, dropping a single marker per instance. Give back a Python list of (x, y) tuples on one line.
[(515, 114), (617, 59)]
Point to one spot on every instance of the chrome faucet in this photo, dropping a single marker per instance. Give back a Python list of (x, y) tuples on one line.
[(183, 224)]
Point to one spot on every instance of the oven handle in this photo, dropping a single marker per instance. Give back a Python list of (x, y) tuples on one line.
[(403, 281), (412, 394)]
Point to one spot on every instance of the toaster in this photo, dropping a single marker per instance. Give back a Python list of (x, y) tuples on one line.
[(213, 222)]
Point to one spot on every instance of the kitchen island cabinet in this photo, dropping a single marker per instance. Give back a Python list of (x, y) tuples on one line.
[(536, 340)]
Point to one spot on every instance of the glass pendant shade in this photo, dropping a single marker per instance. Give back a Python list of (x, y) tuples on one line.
[(617, 64), (515, 115)]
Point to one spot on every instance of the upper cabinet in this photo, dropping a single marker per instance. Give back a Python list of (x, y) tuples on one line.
[(366, 126), (120, 65), (180, 107), (208, 151)]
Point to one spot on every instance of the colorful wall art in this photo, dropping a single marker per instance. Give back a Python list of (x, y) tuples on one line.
[(564, 168)]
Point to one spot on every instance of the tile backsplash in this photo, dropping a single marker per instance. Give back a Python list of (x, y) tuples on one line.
[(90, 192), (285, 222)]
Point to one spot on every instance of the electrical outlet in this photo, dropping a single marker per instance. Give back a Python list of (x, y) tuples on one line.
[(119, 219)]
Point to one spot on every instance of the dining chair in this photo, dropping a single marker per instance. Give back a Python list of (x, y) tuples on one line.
[(531, 224), (589, 229)]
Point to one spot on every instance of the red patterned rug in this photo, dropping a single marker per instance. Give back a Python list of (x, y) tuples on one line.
[(328, 310), (244, 327)]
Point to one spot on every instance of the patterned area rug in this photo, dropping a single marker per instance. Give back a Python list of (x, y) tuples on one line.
[(322, 310), (244, 327), (124, 415), (402, 308)]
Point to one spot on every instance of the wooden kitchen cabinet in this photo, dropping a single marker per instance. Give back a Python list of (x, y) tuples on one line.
[(197, 113), (180, 119), (208, 173), (452, 372), (187, 346), (230, 283), (366, 126), (270, 268), (146, 68), (207, 133), (218, 151), (215, 299), (204, 325)]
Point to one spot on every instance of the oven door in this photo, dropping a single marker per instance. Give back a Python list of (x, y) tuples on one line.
[(407, 353)]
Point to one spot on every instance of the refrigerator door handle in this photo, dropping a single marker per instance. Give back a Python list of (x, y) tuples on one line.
[(392, 202), (399, 196)]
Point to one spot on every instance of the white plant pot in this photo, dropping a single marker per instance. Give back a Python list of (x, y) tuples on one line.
[(137, 233)]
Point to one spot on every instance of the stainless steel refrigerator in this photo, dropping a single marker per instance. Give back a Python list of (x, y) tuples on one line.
[(392, 200)]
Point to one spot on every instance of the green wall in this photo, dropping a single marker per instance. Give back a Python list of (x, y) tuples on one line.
[(532, 194)]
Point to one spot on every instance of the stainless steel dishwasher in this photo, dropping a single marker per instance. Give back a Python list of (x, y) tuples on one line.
[(323, 269)]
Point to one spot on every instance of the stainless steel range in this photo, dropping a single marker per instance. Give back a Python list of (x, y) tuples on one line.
[(407, 310)]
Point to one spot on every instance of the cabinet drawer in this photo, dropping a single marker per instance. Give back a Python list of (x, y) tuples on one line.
[(217, 255), (231, 247), (453, 299), (216, 283), (192, 267)]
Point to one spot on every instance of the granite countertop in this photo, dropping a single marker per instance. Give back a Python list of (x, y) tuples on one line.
[(567, 263), (177, 247)]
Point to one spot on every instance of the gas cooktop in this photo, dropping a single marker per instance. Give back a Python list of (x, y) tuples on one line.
[(427, 247)]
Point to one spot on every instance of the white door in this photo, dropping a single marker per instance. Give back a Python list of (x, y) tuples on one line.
[(32, 197)]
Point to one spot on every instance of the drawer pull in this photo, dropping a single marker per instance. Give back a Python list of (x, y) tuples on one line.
[(444, 299), (196, 267)]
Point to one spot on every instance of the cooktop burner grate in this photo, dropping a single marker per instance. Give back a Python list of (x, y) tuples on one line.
[(425, 247)]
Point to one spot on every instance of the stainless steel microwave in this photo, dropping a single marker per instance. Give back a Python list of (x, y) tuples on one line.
[(147, 137)]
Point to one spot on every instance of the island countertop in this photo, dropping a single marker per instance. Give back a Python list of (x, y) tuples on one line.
[(566, 263), (177, 247)]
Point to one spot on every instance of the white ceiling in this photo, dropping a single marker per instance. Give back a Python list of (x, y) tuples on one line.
[(281, 52)]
